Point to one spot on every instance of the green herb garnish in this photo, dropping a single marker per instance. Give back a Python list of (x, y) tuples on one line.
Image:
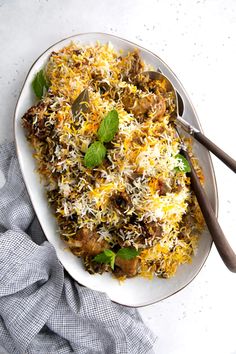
[(127, 253), (40, 84), (182, 164), (95, 154), (108, 127), (106, 132), (107, 257)]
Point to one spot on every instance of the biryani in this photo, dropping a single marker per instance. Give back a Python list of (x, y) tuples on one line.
[(111, 163)]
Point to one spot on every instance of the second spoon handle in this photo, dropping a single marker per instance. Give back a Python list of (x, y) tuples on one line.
[(228, 161), (226, 252)]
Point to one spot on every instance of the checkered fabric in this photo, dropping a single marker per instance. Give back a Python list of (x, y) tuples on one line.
[(42, 309)]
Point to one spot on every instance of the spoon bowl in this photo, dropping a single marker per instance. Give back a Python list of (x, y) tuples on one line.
[(180, 121)]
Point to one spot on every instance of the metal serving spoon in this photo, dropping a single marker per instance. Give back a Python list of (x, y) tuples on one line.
[(229, 161), (226, 252)]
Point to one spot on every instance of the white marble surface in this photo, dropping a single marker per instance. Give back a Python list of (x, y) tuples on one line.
[(197, 38)]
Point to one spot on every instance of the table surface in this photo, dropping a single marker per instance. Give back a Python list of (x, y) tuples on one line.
[(197, 38)]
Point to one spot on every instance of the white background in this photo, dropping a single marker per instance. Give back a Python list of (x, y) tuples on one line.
[(197, 39)]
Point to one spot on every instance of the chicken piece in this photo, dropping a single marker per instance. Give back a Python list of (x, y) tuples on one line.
[(121, 201), (129, 267), (153, 229), (163, 187), (34, 120), (87, 242), (141, 107), (177, 186), (136, 66), (131, 66)]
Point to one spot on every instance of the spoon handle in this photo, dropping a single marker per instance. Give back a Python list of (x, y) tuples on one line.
[(228, 161), (226, 252)]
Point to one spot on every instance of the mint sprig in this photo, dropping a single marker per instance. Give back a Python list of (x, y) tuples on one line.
[(95, 154), (108, 256), (108, 127), (106, 132), (40, 84), (127, 253), (182, 164)]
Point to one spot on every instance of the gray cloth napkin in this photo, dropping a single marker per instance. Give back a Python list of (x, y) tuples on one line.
[(42, 309)]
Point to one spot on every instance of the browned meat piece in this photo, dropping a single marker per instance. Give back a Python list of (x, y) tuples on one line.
[(121, 200), (78, 51), (97, 75), (34, 120), (87, 242), (131, 66), (136, 66), (100, 83), (163, 187), (104, 87), (141, 107), (129, 267), (177, 186), (95, 267), (153, 229)]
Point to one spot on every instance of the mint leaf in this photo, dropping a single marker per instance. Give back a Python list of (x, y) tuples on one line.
[(97, 151), (108, 127), (127, 253), (182, 164), (95, 154), (40, 84), (107, 257)]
